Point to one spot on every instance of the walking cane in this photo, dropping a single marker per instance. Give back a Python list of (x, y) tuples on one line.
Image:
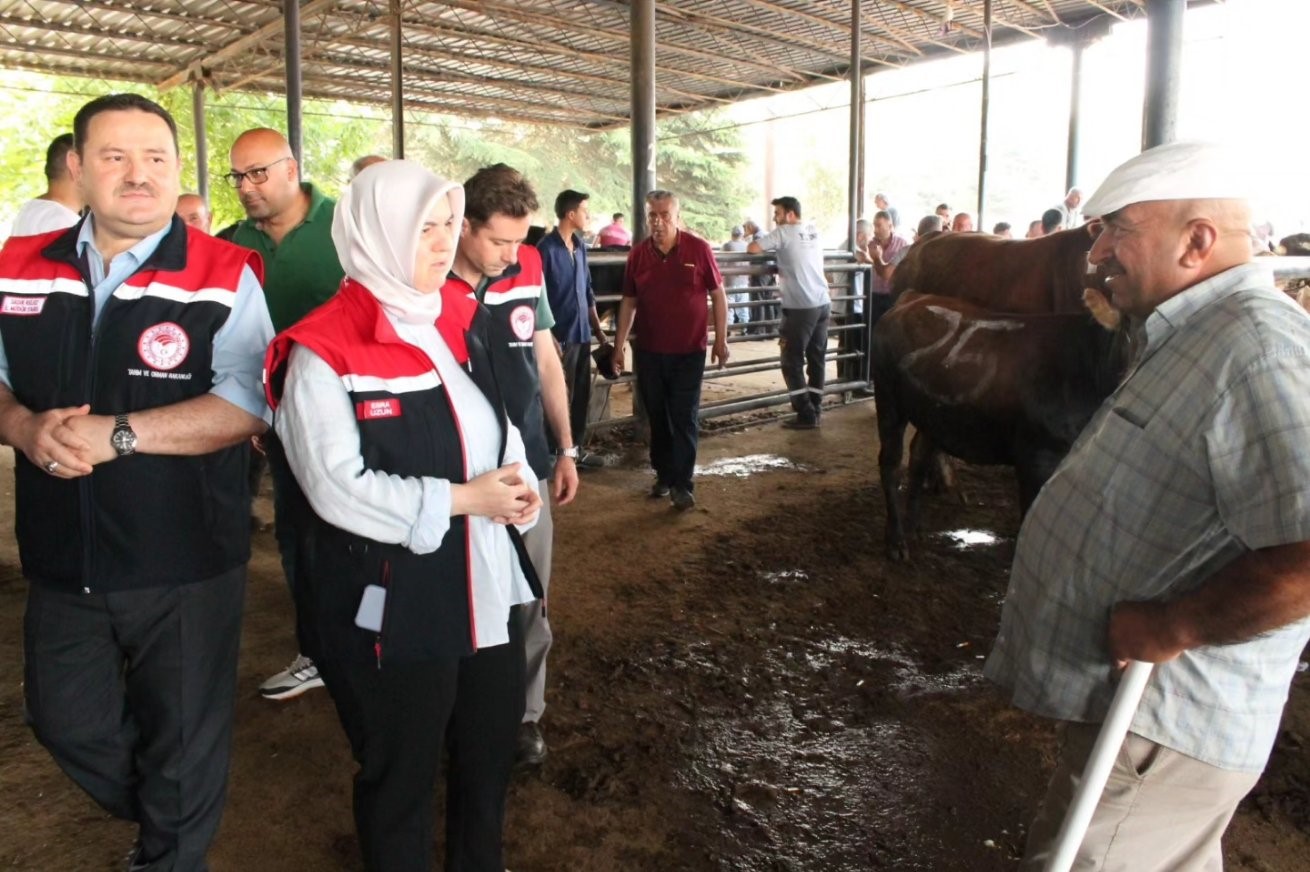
[(1097, 771)]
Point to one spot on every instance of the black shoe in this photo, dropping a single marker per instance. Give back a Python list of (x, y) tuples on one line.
[(591, 461), (683, 500), (801, 424), (531, 750), (659, 490)]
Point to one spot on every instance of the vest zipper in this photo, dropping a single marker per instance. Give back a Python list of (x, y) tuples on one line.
[(386, 607), (85, 483)]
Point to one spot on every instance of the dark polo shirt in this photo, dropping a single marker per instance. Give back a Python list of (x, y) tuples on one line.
[(672, 315)]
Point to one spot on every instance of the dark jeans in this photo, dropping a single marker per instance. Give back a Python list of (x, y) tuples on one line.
[(804, 338), (577, 376), (669, 385), (398, 719), (132, 693)]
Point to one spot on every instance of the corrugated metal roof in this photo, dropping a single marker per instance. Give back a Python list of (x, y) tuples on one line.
[(545, 61)]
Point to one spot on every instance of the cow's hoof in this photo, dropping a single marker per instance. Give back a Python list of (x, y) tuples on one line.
[(898, 552)]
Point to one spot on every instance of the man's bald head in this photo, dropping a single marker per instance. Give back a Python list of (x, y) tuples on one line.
[(263, 151), (194, 211), (264, 141)]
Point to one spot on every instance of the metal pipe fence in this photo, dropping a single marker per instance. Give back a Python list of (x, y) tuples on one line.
[(840, 267)]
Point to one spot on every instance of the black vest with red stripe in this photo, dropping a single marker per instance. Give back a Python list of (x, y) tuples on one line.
[(511, 300), (407, 427), (148, 519)]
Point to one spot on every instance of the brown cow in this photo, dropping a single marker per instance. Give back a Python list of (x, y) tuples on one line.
[(1004, 275), (988, 388)]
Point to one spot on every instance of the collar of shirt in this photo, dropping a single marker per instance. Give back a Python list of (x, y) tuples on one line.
[(121, 267), (1173, 313), (317, 203)]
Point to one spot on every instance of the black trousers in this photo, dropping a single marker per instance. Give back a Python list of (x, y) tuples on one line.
[(577, 376), (669, 385), (398, 719), (804, 339), (132, 693)]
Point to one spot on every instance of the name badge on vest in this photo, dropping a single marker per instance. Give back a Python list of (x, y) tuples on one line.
[(21, 305), (370, 410)]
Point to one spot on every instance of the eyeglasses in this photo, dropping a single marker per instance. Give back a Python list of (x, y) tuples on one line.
[(257, 176)]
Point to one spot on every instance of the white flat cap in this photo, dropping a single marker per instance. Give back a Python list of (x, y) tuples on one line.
[(1173, 171)]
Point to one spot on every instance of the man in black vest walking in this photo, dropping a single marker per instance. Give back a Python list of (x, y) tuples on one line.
[(130, 359), (493, 264)]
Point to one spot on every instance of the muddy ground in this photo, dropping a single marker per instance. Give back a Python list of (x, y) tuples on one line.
[(748, 686)]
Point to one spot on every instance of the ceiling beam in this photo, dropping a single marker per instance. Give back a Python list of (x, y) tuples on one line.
[(78, 54), (997, 20), (140, 13), (608, 60), (907, 48), (934, 21), (1045, 9), (100, 33), (237, 46), (517, 13), (1109, 11)]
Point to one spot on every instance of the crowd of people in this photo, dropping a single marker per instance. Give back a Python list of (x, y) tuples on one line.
[(417, 377)]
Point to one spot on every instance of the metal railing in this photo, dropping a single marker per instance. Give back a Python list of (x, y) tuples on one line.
[(840, 267)]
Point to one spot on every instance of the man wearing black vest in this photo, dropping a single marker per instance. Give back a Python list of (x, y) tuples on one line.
[(505, 275), (130, 361)]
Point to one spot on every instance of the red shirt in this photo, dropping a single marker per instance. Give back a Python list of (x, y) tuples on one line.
[(670, 291)]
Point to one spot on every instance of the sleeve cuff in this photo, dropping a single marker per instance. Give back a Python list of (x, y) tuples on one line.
[(433, 517)]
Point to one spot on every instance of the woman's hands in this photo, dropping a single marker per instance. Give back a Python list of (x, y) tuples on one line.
[(501, 495)]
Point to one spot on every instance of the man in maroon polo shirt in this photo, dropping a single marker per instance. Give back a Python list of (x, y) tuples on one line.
[(667, 278)]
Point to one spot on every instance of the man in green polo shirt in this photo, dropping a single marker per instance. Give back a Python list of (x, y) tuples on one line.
[(289, 222)]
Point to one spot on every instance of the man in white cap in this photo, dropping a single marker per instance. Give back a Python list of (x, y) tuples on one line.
[(1177, 530)]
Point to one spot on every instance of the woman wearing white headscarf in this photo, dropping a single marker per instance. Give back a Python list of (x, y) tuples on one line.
[(415, 490)]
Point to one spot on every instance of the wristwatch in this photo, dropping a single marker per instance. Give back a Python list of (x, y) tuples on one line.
[(571, 451), (123, 439)]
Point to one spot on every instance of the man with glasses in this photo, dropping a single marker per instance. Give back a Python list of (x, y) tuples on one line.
[(289, 222)]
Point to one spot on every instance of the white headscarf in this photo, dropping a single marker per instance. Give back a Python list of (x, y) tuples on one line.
[(376, 231)]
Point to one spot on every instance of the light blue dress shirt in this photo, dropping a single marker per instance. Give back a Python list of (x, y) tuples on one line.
[(239, 345)]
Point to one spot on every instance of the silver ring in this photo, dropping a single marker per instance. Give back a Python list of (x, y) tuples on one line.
[(52, 466)]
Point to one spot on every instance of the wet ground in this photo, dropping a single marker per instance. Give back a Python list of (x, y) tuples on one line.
[(746, 686)]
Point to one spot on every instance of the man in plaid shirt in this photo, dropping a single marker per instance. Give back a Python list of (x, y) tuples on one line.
[(1176, 532)]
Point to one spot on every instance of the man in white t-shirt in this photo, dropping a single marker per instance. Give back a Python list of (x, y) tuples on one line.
[(806, 305), (61, 204)]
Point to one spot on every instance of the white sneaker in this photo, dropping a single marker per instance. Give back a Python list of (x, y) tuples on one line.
[(300, 676)]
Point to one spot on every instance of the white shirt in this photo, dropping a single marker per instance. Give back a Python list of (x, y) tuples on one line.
[(316, 423), (42, 216), (799, 253)]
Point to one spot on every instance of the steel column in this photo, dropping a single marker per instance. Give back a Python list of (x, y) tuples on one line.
[(1075, 109), (202, 142), (397, 85), (1164, 60), (295, 84), (856, 139), (642, 51), (986, 106)]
